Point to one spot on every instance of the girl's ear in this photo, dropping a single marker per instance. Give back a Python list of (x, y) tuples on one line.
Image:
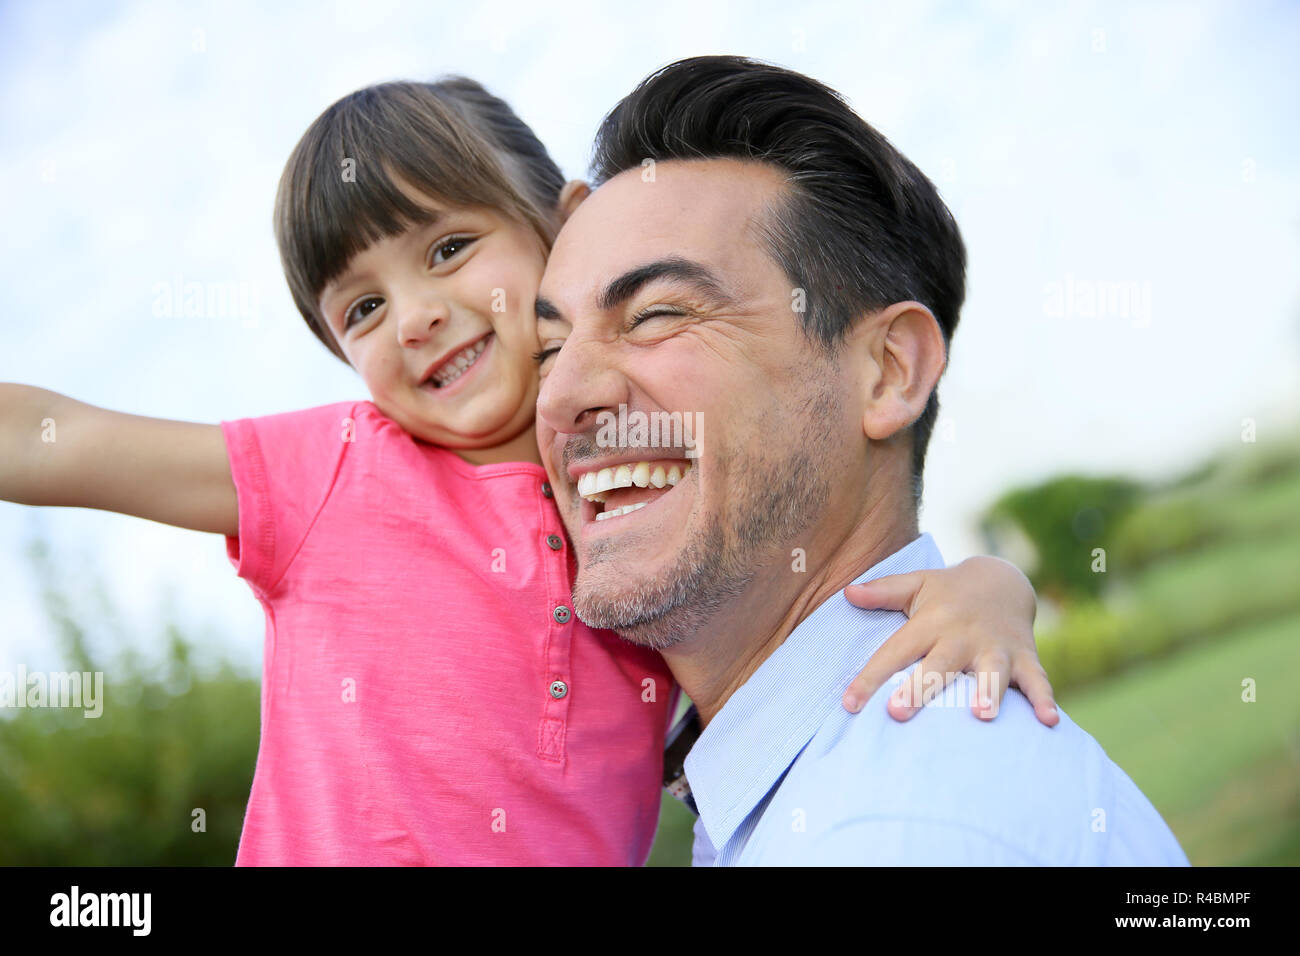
[(574, 192)]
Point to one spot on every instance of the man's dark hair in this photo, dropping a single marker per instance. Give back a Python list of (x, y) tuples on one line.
[(860, 228)]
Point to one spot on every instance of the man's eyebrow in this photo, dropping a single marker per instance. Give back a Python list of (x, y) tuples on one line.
[(673, 267), (625, 286)]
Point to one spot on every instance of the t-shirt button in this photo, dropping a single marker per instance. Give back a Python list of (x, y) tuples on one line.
[(561, 614), (546, 489), (558, 689), (554, 541)]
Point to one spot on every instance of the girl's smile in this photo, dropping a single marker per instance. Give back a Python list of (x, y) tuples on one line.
[(439, 322)]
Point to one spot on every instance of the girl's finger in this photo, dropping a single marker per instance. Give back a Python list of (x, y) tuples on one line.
[(992, 676), (901, 649), (1029, 676), (893, 593), (926, 681)]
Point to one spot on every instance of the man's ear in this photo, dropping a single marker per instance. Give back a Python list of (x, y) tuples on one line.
[(908, 351), (574, 192)]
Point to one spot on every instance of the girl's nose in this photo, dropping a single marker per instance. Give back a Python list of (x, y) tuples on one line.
[(418, 320)]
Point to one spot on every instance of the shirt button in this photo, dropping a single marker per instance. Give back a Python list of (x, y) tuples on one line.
[(558, 689), (561, 614), (546, 489), (554, 541)]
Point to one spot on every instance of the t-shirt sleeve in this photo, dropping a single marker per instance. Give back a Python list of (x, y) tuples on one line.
[(284, 467)]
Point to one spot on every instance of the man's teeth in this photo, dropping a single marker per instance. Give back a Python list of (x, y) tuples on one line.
[(594, 484), (455, 366), (620, 511)]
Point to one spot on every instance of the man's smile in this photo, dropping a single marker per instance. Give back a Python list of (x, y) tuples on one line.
[(613, 490)]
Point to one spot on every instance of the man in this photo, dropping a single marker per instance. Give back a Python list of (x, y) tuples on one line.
[(759, 260)]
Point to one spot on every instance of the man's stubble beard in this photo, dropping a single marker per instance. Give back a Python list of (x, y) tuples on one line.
[(778, 498)]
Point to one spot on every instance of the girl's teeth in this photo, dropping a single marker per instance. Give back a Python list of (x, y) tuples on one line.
[(455, 367)]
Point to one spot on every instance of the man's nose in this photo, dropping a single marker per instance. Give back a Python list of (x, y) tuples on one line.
[(418, 317), (581, 384)]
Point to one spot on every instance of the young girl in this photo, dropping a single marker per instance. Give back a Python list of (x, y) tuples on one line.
[(428, 695)]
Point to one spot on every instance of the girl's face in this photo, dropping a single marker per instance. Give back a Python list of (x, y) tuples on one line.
[(439, 322)]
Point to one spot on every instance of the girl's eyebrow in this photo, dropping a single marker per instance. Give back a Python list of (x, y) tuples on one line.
[(335, 290), (432, 218), (546, 310)]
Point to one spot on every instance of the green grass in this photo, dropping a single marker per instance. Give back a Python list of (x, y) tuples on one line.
[(1206, 514), (673, 841), (1225, 774), (1210, 590), (1171, 604)]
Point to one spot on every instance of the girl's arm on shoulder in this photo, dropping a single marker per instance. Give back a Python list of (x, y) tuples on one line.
[(977, 616), (58, 451)]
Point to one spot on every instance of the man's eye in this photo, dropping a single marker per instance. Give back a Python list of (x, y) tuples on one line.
[(651, 313), (361, 310), (448, 248)]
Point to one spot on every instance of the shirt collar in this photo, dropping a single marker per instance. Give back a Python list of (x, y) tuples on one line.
[(751, 742)]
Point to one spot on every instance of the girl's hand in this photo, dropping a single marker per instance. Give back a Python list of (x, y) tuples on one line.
[(977, 616)]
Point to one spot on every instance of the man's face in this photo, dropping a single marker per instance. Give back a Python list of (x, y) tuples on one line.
[(665, 300)]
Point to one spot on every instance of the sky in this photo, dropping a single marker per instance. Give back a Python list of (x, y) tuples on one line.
[(1124, 176)]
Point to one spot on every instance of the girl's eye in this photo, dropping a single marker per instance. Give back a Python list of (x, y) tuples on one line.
[(544, 354), (448, 248), (361, 311)]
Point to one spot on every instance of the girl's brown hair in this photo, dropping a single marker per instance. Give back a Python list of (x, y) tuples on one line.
[(450, 140)]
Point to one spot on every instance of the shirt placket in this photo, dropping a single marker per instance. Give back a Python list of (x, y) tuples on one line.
[(558, 687)]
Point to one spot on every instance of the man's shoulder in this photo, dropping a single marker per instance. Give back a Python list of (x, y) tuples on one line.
[(946, 786)]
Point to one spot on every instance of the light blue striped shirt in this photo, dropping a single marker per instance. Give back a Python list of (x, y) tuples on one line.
[(783, 775)]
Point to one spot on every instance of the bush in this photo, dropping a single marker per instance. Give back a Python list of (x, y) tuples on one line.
[(122, 788)]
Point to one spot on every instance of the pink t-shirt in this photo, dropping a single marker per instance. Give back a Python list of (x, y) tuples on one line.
[(428, 695)]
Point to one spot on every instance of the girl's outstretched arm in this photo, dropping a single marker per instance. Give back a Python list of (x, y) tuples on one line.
[(976, 616), (57, 451)]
